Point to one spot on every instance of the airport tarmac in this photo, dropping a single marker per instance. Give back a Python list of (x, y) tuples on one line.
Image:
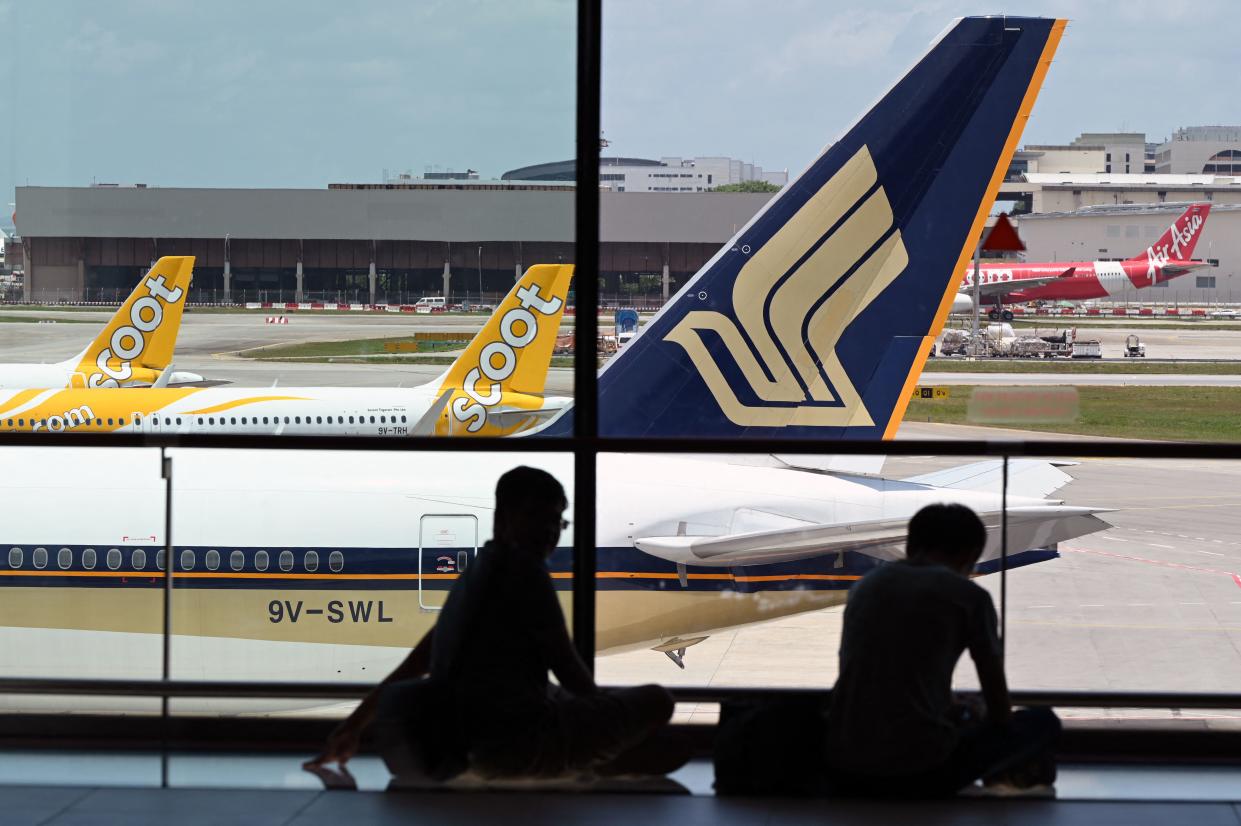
[(1151, 604), (1154, 603), (929, 377), (208, 341), (1185, 340)]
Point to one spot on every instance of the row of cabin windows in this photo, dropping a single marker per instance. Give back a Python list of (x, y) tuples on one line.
[(210, 421), (189, 559), (43, 422)]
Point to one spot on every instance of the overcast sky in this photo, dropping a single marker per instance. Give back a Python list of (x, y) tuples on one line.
[(284, 93)]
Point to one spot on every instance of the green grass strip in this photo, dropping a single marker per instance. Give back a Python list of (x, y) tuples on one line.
[(1165, 413), (1084, 367)]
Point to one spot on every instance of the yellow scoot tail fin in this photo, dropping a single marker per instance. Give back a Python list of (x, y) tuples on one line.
[(505, 367), (138, 341)]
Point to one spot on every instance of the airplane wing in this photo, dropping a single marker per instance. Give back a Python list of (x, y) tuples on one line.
[(1005, 287), (1026, 477), (1030, 526), (513, 417)]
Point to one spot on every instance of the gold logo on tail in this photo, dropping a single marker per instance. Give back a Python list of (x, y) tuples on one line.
[(790, 360)]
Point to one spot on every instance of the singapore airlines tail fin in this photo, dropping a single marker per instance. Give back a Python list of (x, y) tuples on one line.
[(138, 342), (497, 383), (814, 321), (1177, 244)]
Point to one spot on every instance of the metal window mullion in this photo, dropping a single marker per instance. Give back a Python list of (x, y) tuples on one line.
[(165, 463), (1004, 560), (586, 325)]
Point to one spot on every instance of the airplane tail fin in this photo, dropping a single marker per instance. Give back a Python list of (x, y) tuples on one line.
[(139, 340), (504, 368), (815, 320), (1178, 243)]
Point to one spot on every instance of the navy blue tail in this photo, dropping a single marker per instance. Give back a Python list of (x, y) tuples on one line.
[(815, 320)]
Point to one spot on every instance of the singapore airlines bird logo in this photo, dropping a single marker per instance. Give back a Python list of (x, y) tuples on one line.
[(794, 298)]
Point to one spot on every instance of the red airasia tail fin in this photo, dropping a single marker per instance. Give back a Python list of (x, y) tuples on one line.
[(1177, 244)]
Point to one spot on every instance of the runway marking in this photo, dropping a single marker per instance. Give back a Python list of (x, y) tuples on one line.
[(1090, 605), (1176, 565), (1157, 545), (1119, 626), (1191, 603), (1114, 539), (1140, 604), (1211, 553)]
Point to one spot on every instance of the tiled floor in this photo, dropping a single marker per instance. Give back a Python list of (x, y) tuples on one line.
[(73, 788), (30, 805)]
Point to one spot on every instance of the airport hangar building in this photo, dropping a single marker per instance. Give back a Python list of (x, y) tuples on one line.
[(364, 243), (393, 243)]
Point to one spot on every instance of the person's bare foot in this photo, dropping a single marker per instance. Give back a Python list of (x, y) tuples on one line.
[(338, 779)]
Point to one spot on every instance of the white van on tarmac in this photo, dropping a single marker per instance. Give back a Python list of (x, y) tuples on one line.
[(430, 304)]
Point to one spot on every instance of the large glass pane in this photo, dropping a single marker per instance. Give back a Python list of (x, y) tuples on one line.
[(733, 570), (1153, 603), (797, 304), (321, 192)]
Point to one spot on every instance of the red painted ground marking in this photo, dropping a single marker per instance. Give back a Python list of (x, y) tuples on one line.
[(1235, 576)]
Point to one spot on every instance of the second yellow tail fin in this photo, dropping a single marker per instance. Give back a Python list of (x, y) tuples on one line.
[(505, 366), (139, 340)]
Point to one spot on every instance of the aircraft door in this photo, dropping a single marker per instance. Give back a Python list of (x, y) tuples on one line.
[(447, 543)]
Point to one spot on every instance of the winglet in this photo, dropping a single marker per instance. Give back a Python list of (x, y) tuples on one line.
[(165, 376), (506, 364), (141, 337), (425, 426)]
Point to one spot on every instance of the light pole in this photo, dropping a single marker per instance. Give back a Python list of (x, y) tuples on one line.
[(480, 273)]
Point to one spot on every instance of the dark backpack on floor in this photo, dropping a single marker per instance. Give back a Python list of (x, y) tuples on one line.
[(771, 746)]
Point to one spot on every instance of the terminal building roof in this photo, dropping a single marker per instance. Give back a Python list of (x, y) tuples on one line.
[(452, 215)]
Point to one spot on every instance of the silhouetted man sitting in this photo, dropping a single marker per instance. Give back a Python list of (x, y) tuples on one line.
[(487, 704), (893, 727)]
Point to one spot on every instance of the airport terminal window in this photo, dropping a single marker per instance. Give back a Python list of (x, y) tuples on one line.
[(286, 560), (335, 561), (260, 561), (40, 558), (138, 559), (236, 560), (88, 559), (212, 560), (187, 560), (113, 558), (15, 557), (64, 558), (311, 561)]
